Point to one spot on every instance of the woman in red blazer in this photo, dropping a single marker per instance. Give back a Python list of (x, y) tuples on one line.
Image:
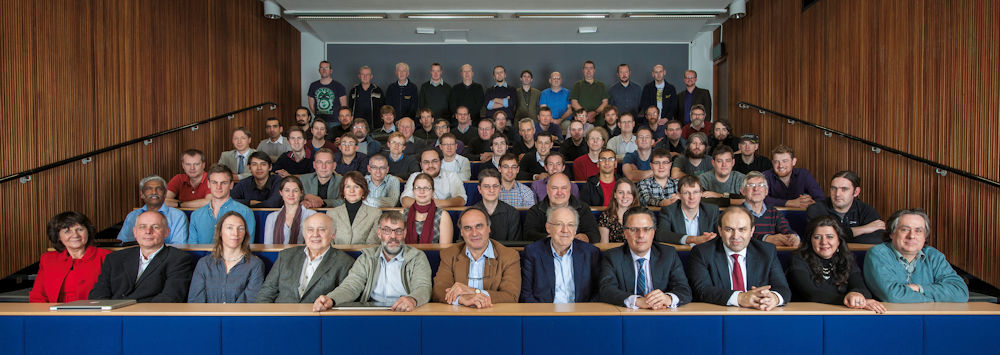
[(68, 274)]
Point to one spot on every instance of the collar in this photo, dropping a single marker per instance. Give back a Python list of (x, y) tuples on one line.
[(488, 253), (555, 254), (318, 258), (368, 178), (900, 257), (405, 83), (729, 252), (151, 256), (438, 83), (398, 257), (636, 257), (763, 205), (500, 85), (281, 140), (558, 89)]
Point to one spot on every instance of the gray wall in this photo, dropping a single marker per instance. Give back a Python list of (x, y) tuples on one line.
[(541, 59)]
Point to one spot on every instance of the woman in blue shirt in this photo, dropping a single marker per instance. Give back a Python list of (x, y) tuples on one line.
[(231, 274)]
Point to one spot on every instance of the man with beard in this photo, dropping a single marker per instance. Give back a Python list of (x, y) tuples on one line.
[(152, 190), (861, 222), (333, 134), (624, 94), (500, 96), (697, 123), (303, 118), (366, 144), (391, 273), (694, 161), (275, 144), (448, 188), (790, 186), (690, 96), (674, 142)]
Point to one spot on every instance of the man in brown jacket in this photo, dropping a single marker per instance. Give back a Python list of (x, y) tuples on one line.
[(479, 271)]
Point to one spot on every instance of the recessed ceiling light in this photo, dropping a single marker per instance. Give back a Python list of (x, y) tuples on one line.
[(458, 16)]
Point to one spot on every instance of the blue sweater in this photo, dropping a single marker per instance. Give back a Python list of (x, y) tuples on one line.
[(886, 277)]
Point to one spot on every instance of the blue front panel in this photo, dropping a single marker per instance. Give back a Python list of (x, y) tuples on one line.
[(572, 335), (464, 335), (847, 334), (692, 334), (260, 218), (187, 335), (773, 335), (12, 335), (46, 335), (270, 335), (371, 335), (961, 334)]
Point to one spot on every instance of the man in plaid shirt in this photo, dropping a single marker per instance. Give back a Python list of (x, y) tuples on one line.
[(658, 190), (512, 192)]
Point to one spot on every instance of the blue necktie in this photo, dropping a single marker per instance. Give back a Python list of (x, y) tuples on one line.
[(640, 283), (239, 165)]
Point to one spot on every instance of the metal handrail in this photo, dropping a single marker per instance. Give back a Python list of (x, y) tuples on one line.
[(25, 176), (941, 168)]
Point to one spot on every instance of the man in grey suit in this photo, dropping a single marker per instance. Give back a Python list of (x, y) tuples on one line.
[(303, 273), (238, 158), (322, 188), (392, 273), (737, 270), (687, 221), (659, 282)]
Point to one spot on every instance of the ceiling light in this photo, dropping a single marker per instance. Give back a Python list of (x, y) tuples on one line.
[(587, 29), (669, 16), (343, 17), (425, 30), (562, 16), (458, 16), (737, 9)]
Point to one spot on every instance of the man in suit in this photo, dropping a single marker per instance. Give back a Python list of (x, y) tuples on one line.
[(479, 271), (391, 273), (150, 272), (238, 158), (737, 270), (303, 273), (322, 188), (558, 195), (659, 282), (687, 221), (560, 268), (690, 96)]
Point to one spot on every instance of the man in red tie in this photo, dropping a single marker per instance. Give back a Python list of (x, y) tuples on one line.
[(737, 270)]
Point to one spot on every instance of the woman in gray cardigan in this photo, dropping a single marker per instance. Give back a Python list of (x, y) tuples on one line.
[(354, 221)]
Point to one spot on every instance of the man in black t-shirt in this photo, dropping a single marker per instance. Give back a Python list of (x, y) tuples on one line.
[(326, 96)]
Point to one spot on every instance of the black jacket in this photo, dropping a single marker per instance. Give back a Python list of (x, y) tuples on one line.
[(699, 96), (591, 192), (711, 281), (165, 280), (859, 214), (377, 100), (649, 99), (666, 273)]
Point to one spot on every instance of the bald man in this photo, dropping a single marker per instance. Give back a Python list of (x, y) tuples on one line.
[(303, 273), (558, 195)]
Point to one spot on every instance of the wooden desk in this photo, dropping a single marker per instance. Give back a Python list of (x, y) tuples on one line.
[(589, 328)]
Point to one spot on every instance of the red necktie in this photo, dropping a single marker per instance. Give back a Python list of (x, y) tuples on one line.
[(737, 274)]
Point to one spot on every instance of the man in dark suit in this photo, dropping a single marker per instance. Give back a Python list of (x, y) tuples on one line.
[(659, 282), (319, 266), (690, 96), (560, 268), (151, 272), (674, 218), (737, 270)]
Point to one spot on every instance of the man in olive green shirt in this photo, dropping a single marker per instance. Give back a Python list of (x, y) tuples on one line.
[(391, 273), (590, 94)]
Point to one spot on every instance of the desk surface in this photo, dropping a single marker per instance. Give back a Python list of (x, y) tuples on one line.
[(359, 247), (502, 309)]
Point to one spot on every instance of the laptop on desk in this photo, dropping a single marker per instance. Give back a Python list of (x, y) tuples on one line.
[(92, 305), (363, 306)]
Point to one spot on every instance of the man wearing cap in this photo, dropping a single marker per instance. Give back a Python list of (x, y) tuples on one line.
[(747, 159)]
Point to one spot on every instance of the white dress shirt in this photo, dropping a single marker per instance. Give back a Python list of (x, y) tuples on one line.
[(144, 261), (734, 298), (308, 269), (446, 185), (630, 301)]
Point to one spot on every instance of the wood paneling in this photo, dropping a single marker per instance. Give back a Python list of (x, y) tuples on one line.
[(82, 75), (920, 76)]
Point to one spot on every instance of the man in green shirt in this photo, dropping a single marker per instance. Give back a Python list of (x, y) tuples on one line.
[(590, 94)]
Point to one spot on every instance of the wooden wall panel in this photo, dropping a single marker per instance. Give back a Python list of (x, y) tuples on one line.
[(82, 75), (920, 76)]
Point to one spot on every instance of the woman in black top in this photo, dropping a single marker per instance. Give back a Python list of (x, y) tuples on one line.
[(823, 269)]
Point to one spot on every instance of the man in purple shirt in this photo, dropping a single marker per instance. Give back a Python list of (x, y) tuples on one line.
[(790, 186), (554, 163)]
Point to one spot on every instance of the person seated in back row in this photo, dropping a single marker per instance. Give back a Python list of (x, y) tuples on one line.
[(861, 222), (747, 158), (721, 181), (260, 189), (687, 221), (770, 224), (790, 186), (695, 159), (554, 164), (449, 191)]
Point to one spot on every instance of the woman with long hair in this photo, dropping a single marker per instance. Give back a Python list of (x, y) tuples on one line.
[(231, 274), (284, 226), (609, 224)]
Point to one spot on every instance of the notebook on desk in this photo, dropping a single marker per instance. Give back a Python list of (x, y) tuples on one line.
[(92, 305), (363, 306)]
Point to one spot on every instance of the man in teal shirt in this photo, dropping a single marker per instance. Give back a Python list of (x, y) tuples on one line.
[(202, 227), (906, 271)]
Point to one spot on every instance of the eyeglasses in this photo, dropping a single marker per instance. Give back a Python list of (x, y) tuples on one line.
[(760, 185), (607, 159), (396, 231), (378, 168), (347, 144), (508, 167), (561, 225), (435, 161), (490, 186), (423, 188), (639, 229)]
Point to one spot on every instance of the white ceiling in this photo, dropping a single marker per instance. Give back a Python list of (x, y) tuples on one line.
[(506, 28)]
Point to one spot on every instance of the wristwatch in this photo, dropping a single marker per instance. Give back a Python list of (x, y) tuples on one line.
[(725, 195), (478, 291)]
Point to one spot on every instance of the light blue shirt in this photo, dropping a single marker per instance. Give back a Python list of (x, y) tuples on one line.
[(489, 104), (558, 102), (176, 220), (389, 283), (565, 290), (202, 226), (383, 195), (690, 226), (477, 267)]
